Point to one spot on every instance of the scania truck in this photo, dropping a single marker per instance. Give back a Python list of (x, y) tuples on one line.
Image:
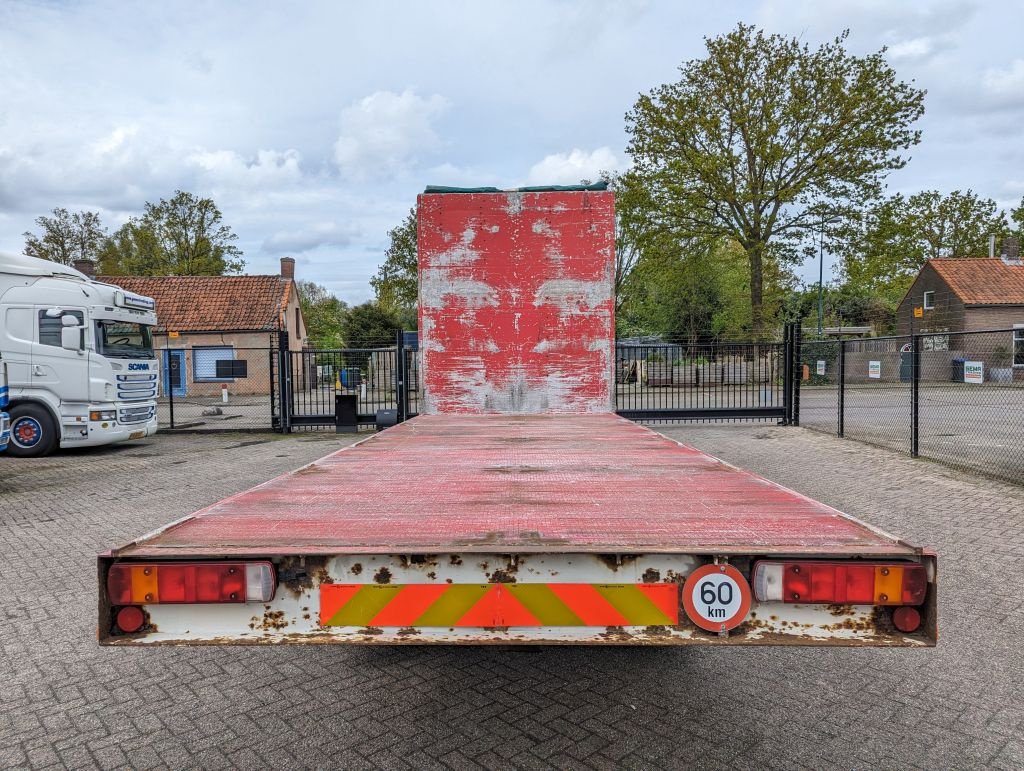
[(518, 508), (79, 356)]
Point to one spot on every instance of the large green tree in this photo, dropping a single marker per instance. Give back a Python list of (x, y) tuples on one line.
[(66, 236), (323, 313), (882, 249), (763, 135), (184, 235), (370, 326), (395, 283)]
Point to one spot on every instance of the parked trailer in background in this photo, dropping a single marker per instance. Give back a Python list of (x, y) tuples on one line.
[(79, 357), (518, 508)]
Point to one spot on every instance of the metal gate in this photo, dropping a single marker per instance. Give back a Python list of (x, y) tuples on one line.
[(381, 378), (709, 381), (654, 381)]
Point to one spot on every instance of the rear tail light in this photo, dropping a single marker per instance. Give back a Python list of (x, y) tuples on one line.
[(130, 583), (846, 583)]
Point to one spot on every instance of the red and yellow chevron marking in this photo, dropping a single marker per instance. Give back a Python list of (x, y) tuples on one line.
[(490, 605)]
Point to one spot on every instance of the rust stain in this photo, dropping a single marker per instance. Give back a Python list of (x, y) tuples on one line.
[(432, 575), (408, 631), (272, 620), (651, 576), (383, 576), (297, 574), (356, 569), (616, 561), (840, 610), (373, 630), (455, 559), (500, 576)]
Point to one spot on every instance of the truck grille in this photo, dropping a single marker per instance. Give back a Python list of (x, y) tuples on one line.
[(135, 388), (135, 414)]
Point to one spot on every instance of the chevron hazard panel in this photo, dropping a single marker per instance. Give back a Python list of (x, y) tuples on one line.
[(499, 605)]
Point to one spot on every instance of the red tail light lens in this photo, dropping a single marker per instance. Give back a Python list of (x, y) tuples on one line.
[(130, 583), (846, 583)]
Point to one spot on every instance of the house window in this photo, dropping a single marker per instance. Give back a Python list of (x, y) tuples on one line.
[(929, 300), (204, 364), (50, 327), (1018, 345)]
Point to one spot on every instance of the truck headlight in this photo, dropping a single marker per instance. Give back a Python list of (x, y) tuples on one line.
[(103, 415)]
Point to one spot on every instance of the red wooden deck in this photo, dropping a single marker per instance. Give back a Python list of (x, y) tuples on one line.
[(517, 484)]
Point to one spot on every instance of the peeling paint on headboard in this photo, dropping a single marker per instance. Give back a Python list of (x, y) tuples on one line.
[(517, 301)]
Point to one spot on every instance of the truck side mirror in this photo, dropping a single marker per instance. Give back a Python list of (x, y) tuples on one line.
[(70, 334)]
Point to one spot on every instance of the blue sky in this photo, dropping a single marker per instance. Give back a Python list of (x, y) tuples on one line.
[(314, 125)]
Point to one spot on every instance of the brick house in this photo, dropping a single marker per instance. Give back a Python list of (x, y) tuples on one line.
[(203, 320), (969, 295)]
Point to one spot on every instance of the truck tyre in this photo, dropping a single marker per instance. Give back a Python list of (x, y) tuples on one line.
[(33, 432)]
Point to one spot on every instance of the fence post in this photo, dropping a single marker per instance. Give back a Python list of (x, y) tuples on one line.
[(842, 386), (170, 398), (284, 365), (798, 371), (915, 347), (400, 396), (787, 373)]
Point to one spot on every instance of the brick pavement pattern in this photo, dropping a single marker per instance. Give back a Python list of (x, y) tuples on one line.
[(66, 702)]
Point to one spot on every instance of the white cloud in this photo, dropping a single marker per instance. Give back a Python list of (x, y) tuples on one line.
[(1005, 86), (269, 168), (921, 48), (385, 133), (572, 167), (307, 238)]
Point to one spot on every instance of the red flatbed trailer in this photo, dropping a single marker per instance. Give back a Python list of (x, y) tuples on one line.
[(547, 525)]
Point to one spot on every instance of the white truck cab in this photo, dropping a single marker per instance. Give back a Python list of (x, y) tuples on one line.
[(79, 358)]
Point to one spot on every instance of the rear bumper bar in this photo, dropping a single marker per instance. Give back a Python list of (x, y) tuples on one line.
[(484, 598)]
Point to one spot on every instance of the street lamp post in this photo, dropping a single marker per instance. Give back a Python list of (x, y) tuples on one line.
[(821, 277)]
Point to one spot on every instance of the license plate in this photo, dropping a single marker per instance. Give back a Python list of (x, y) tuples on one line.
[(137, 435)]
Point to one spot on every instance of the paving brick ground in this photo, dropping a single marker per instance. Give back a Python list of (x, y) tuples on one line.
[(65, 701)]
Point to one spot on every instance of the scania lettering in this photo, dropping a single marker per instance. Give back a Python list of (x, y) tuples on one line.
[(79, 357), (517, 507)]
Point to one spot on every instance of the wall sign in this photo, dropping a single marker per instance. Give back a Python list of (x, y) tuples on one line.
[(974, 372), (875, 369)]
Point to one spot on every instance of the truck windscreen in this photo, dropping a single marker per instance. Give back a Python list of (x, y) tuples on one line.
[(124, 339)]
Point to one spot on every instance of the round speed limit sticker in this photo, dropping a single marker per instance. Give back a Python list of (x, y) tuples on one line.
[(716, 597)]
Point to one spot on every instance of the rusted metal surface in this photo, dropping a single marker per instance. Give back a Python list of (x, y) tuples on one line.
[(294, 615), (517, 301), (595, 483)]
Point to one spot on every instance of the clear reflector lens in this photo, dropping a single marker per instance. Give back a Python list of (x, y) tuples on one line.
[(190, 582), (846, 583)]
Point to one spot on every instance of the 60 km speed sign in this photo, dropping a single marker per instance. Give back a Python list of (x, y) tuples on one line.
[(716, 597)]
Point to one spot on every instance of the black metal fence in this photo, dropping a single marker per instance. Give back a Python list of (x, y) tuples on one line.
[(283, 390), (714, 381), (955, 397), (384, 378)]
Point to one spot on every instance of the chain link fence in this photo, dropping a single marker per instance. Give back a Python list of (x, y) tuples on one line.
[(955, 397), (208, 388)]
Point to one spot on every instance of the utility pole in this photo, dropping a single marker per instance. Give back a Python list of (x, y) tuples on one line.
[(821, 277)]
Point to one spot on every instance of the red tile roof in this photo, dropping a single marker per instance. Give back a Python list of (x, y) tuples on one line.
[(212, 303), (982, 280)]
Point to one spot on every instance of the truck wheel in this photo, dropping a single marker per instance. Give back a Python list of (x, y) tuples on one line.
[(33, 432)]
